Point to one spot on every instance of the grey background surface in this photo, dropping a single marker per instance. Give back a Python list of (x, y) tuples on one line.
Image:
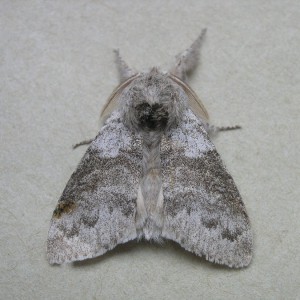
[(57, 71)]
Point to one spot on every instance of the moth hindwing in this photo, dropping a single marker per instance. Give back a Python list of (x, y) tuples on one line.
[(153, 173)]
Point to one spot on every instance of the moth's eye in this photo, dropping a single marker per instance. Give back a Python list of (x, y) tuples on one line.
[(152, 117)]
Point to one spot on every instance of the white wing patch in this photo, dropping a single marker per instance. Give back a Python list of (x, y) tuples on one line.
[(196, 140), (112, 141)]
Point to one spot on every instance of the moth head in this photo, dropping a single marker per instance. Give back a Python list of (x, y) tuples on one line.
[(152, 102), (155, 100)]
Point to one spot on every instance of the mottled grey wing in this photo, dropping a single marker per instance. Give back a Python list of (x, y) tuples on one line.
[(97, 208), (203, 209)]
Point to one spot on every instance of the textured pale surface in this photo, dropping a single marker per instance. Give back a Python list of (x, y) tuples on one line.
[(57, 71)]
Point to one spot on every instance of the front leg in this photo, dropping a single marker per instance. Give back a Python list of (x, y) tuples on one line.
[(214, 130), (85, 142)]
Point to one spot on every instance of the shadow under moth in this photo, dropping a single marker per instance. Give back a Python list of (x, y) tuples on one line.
[(152, 173)]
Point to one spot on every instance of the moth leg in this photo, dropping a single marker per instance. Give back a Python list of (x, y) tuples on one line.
[(214, 130), (85, 142), (226, 128)]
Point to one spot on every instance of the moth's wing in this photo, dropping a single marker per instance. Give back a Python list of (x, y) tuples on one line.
[(97, 208), (203, 210)]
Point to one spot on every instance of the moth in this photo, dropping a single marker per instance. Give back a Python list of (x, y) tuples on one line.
[(152, 173)]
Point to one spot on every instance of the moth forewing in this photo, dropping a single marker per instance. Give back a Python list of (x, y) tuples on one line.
[(203, 209), (102, 192)]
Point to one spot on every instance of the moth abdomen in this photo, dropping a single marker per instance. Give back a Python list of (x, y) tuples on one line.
[(152, 117)]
